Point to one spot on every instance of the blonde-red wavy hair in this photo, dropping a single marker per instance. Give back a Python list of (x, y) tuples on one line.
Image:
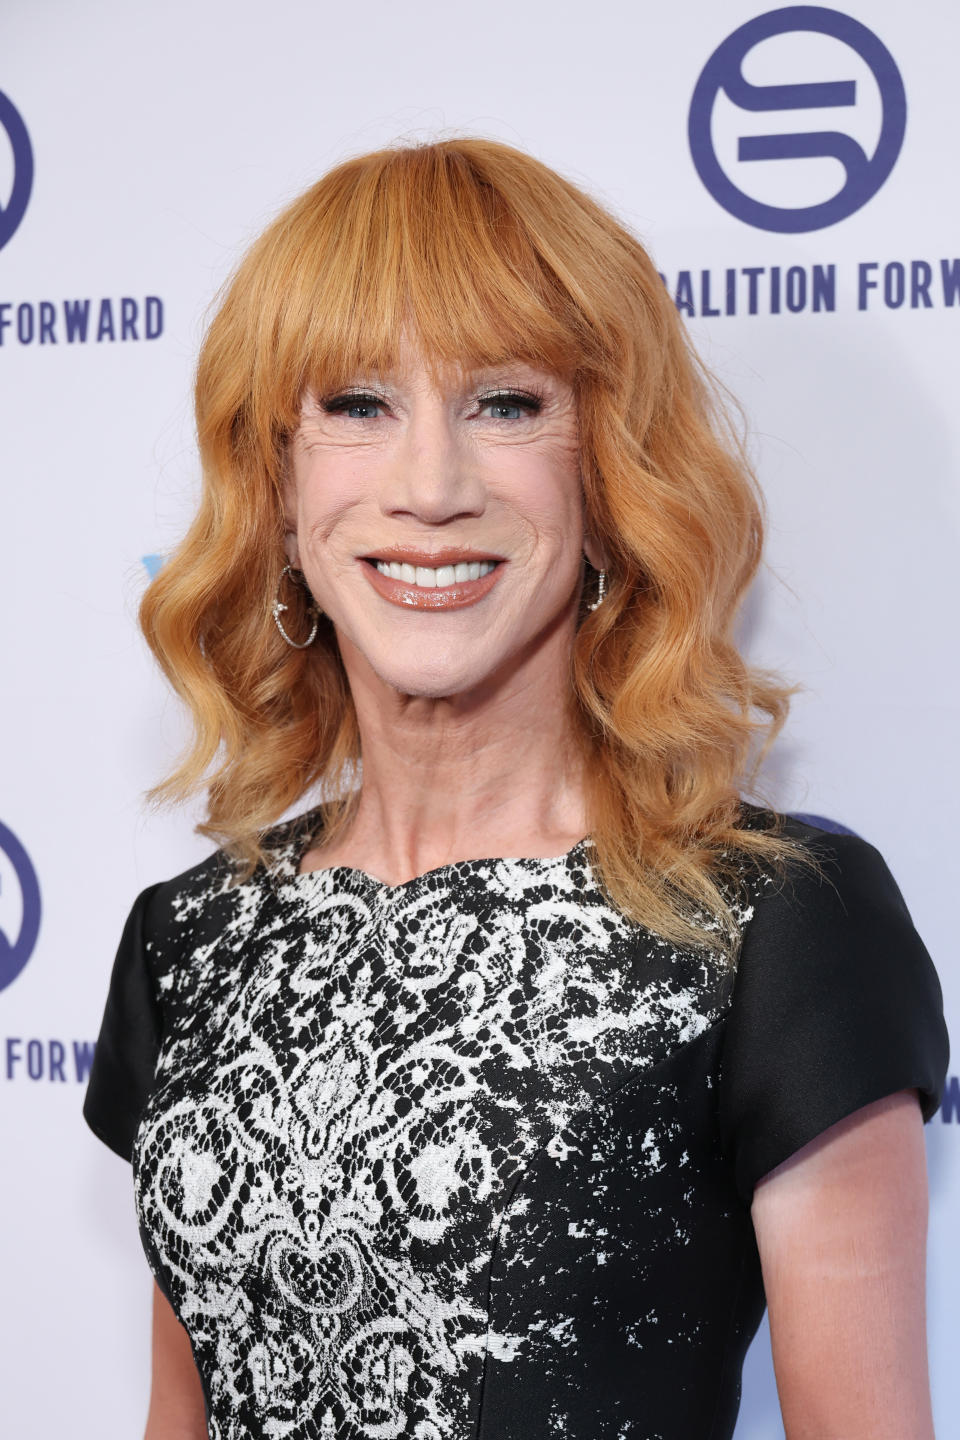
[(496, 257)]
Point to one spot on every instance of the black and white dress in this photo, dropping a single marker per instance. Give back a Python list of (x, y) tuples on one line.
[(471, 1157)]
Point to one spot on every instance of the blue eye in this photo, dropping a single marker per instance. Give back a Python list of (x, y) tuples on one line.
[(355, 407), (510, 405)]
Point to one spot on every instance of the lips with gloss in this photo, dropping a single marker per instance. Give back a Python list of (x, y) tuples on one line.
[(422, 597)]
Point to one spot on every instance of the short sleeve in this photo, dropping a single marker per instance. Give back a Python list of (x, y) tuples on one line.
[(125, 1057), (836, 1003)]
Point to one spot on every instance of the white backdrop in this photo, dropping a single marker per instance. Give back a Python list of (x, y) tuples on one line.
[(163, 138)]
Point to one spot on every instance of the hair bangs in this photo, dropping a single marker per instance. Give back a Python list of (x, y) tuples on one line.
[(415, 245)]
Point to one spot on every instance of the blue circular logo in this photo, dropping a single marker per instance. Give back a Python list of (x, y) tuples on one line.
[(14, 953), (864, 174), (13, 212)]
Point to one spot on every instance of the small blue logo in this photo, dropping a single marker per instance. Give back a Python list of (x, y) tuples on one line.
[(14, 953), (13, 212), (864, 175)]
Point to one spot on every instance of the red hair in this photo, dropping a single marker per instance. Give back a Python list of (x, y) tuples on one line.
[(496, 257)]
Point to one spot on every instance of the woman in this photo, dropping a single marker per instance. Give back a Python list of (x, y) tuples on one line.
[(429, 1142)]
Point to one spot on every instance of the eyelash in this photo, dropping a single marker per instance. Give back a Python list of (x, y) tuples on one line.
[(527, 399)]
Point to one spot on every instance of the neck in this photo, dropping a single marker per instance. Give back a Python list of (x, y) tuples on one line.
[(495, 771)]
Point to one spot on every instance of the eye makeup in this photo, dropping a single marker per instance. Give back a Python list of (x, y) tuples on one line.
[(337, 404), (527, 400)]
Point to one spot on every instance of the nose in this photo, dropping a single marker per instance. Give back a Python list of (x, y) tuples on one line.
[(435, 475)]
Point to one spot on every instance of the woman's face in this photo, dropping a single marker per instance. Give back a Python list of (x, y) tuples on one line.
[(440, 529)]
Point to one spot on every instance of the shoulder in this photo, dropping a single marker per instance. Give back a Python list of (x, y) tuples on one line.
[(215, 896), (836, 1001), (835, 878)]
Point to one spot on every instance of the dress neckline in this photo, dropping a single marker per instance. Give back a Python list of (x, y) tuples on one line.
[(335, 876)]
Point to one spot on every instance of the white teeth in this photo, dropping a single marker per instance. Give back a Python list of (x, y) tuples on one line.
[(430, 577)]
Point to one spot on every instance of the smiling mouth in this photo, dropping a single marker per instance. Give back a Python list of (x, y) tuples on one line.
[(451, 580), (433, 577)]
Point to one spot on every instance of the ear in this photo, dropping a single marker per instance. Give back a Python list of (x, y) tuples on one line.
[(596, 552), (288, 497), (594, 549)]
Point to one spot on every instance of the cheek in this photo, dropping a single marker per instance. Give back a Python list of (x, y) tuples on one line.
[(545, 494), (328, 489)]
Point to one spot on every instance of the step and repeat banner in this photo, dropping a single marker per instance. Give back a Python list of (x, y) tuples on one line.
[(793, 172)]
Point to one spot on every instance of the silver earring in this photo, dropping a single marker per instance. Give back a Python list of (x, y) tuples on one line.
[(601, 589), (277, 609)]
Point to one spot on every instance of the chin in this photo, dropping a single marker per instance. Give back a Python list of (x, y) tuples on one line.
[(433, 678)]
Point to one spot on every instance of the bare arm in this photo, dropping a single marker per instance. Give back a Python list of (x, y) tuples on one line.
[(176, 1398), (841, 1228)]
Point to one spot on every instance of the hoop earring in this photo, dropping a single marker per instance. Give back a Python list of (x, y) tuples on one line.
[(601, 590), (277, 609)]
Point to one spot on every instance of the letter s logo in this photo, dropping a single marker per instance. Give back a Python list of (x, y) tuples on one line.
[(723, 74)]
